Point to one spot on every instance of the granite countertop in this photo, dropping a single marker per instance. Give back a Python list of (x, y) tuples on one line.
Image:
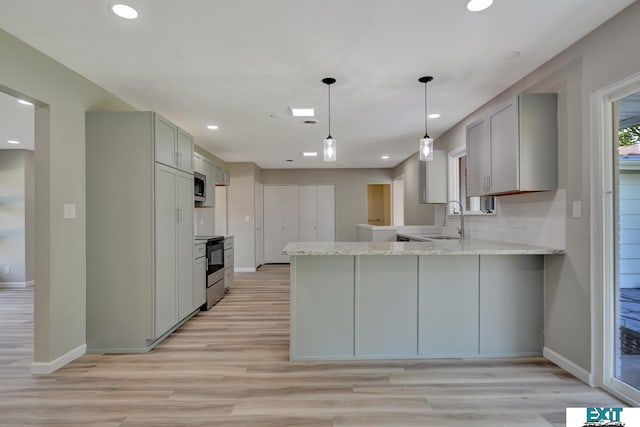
[(440, 247)]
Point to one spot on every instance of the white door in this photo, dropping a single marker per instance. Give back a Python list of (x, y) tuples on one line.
[(272, 223), (308, 214), (326, 213), (166, 218), (185, 244), (259, 207), (290, 217)]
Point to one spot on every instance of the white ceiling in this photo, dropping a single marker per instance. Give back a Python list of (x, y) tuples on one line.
[(234, 63), (16, 123)]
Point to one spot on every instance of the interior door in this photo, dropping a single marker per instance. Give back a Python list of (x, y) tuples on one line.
[(326, 213), (308, 213), (259, 208), (290, 217), (272, 223)]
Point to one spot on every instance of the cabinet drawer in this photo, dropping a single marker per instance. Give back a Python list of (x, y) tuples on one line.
[(228, 258), (228, 277), (200, 250), (228, 243)]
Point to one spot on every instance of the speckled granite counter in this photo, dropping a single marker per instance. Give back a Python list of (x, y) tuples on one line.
[(441, 247)]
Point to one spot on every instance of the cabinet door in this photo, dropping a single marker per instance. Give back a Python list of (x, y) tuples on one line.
[(185, 244), (308, 213), (197, 163), (504, 150), (290, 217), (166, 217), (165, 141), (272, 223), (185, 151), (209, 170), (259, 207), (199, 282), (478, 159), (326, 214)]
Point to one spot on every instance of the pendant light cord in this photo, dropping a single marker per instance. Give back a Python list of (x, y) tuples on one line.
[(426, 134), (329, 87)]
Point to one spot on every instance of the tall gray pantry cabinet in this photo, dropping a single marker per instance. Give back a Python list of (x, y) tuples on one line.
[(140, 202)]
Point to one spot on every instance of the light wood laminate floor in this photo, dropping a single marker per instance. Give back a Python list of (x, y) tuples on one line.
[(229, 367)]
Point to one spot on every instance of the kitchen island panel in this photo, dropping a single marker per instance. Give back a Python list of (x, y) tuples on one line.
[(387, 306), (322, 307), (450, 306), (511, 305)]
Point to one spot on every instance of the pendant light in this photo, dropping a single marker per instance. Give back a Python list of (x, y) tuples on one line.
[(426, 142), (329, 142)]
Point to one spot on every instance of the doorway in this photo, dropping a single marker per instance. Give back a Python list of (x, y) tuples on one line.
[(616, 239), (379, 204)]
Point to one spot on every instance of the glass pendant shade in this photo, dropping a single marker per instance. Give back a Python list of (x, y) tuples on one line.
[(426, 148), (330, 149)]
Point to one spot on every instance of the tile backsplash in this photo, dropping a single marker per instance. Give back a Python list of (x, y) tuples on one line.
[(532, 218)]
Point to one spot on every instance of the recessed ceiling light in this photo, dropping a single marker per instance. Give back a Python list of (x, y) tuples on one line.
[(212, 127), (384, 157), (309, 154), (124, 11), (11, 141), (302, 112), (478, 5), (23, 102), (433, 115)]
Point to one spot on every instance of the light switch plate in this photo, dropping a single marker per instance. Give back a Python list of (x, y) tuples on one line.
[(577, 209), (69, 211)]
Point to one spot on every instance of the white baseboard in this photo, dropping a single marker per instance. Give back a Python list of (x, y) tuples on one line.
[(45, 368), (564, 363), (244, 269), (16, 284)]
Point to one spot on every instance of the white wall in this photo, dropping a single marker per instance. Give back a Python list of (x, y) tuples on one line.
[(350, 191), (62, 97), (599, 59)]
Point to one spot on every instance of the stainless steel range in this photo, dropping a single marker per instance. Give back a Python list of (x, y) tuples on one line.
[(215, 271)]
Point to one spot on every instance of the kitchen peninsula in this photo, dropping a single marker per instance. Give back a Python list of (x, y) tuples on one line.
[(390, 300)]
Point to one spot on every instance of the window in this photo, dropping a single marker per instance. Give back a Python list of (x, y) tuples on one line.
[(458, 187)]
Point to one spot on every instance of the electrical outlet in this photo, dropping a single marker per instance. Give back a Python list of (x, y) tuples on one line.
[(7, 270)]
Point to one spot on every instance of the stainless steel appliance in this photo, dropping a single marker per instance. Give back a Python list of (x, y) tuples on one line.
[(199, 187), (215, 271)]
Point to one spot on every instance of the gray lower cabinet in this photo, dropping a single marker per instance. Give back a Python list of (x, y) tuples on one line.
[(139, 230), (449, 299), (403, 306)]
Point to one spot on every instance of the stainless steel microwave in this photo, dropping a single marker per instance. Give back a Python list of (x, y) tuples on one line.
[(199, 187)]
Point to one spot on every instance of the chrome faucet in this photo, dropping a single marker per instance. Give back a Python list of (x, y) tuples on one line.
[(461, 228)]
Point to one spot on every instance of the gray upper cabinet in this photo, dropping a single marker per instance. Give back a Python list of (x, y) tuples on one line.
[(139, 231), (222, 176), (514, 148), (173, 146), (432, 179), (208, 169)]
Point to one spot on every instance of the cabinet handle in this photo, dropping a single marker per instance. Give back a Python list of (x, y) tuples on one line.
[(177, 214)]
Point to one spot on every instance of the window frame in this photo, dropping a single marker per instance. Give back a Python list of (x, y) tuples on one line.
[(453, 190)]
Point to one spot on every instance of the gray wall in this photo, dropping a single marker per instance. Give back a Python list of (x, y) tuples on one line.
[(241, 212), (601, 58), (350, 186), (16, 214), (414, 212), (62, 97)]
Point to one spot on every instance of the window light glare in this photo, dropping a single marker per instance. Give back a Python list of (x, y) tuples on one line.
[(124, 11), (303, 112), (12, 141), (433, 115), (212, 127), (309, 153), (23, 102), (384, 157), (478, 5)]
